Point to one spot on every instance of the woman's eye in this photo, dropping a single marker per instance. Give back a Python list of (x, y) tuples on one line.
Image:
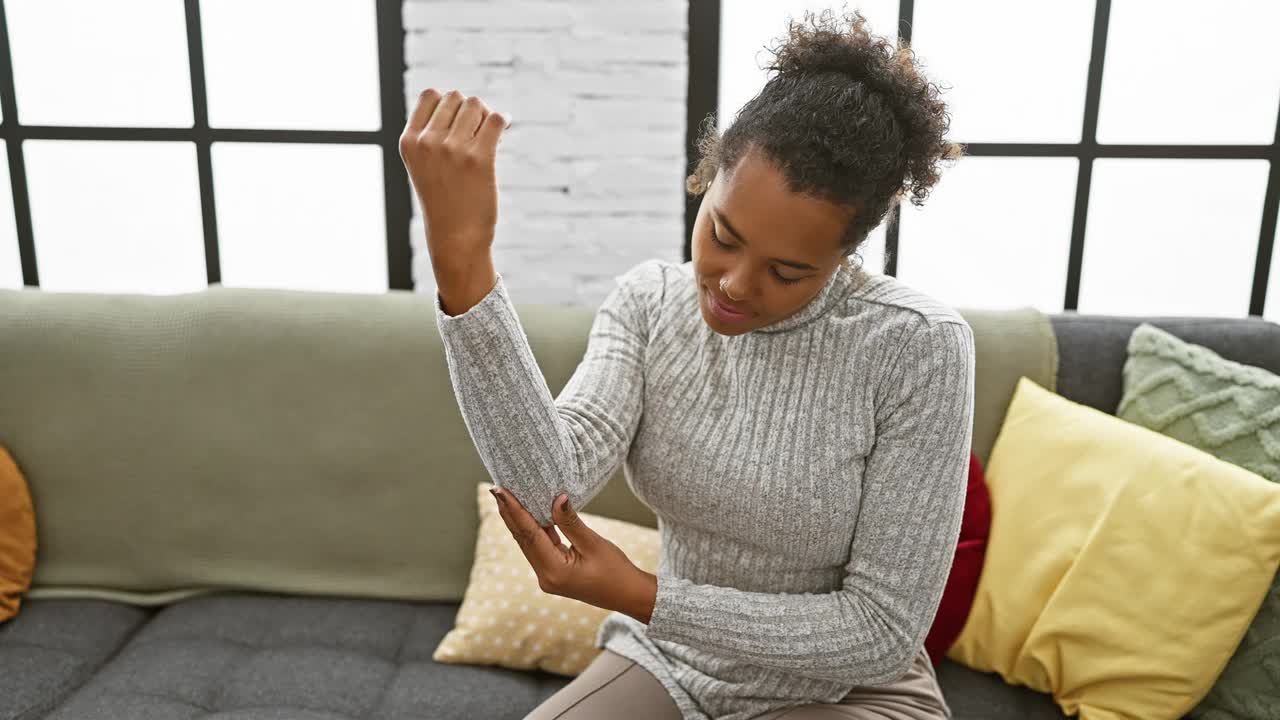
[(787, 281), (783, 280), (716, 237)]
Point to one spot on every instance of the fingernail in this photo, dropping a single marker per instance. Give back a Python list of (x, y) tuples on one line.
[(564, 504), (494, 493)]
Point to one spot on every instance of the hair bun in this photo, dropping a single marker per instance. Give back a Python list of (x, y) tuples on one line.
[(822, 44), (827, 42)]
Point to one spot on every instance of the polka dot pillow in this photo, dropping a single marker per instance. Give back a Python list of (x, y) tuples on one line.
[(505, 619)]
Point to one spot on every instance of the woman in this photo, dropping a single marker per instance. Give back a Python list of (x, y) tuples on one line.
[(801, 429)]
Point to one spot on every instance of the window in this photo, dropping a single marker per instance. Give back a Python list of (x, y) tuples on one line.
[(160, 147)]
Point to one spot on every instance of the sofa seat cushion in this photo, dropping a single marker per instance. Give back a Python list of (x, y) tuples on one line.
[(975, 695), (321, 658), (51, 647), (259, 655), (253, 656)]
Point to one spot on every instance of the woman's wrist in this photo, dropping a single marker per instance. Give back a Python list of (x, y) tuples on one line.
[(641, 596), (462, 283)]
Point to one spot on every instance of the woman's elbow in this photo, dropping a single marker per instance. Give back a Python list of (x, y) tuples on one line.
[(901, 660), (897, 651)]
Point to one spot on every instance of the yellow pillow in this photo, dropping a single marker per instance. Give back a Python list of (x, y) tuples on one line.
[(1123, 566), (505, 619), (17, 537)]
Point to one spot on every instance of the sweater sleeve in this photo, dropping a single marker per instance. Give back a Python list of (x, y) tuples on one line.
[(534, 446), (913, 487)]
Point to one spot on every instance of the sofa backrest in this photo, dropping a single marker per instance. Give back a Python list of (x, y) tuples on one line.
[(1092, 349), (243, 438), (291, 441)]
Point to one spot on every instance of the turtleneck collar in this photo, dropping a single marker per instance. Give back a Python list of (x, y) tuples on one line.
[(835, 289)]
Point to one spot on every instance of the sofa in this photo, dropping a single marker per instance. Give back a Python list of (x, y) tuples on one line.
[(259, 504)]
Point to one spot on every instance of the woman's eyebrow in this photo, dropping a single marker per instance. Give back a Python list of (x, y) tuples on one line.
[(728, 226)]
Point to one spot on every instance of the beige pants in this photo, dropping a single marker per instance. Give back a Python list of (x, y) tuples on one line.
[(616, 688)]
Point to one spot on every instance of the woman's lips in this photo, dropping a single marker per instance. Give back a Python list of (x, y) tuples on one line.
[(723, 312)]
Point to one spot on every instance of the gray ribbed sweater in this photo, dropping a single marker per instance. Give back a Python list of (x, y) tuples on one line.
[(808, 476)]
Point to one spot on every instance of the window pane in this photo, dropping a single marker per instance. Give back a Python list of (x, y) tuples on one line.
[(1172, 237), (1010, 71), (10, 259), (89, 63), (748, 26), (291, 64), (1179, 71), (301, 216), (116, 216), (993, 233)]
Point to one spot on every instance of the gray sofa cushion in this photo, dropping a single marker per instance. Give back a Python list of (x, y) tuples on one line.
[(975, 695), (51, 647), (263, 656), (258, 655)]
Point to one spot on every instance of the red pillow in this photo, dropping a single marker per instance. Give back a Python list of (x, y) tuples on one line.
[(962, 584)]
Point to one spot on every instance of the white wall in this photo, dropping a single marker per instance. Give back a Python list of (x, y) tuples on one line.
[(591, 173)]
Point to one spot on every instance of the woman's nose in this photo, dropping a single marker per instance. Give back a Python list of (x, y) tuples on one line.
[(732, 287)]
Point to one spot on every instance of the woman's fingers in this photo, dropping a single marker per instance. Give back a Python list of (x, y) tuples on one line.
[(427, 101), (458, 117), (534, 543), (445, 112), (555, 536), (491, 129), (470, 115)]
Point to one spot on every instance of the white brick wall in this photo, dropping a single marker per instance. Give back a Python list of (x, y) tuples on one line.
[(591, 173)]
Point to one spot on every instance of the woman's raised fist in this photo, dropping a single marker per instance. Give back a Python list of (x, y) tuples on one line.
[(449, 147)]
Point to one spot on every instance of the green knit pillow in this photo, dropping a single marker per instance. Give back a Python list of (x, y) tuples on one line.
[(1231, 411)]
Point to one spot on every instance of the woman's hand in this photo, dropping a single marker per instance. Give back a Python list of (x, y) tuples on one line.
[(449, 146), (592, 570)]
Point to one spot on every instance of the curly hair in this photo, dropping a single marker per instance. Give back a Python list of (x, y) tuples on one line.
[(846, 118)]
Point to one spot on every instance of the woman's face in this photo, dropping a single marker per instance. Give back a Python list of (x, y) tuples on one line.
[(779, 247)]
